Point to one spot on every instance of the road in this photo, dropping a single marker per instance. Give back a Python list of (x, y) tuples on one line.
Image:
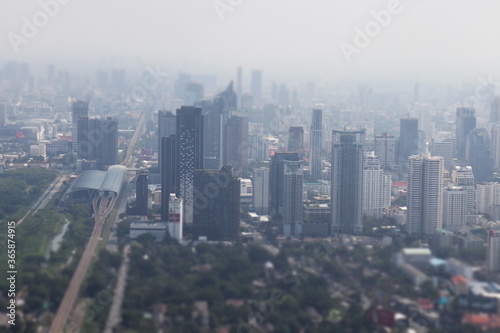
[(44, 199), (102, 207), (127, 161)]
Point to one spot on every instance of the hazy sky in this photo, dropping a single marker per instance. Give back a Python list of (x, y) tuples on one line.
[(285, 38)]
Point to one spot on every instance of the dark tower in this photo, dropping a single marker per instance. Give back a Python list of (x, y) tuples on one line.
[(216, 204), (169, 173), (190, 151), (408, 139), (277, 181), (466, 122), (316, 142), (141, 194), (166, 127)]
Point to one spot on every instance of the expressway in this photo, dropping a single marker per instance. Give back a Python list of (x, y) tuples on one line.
[(44, 199), (102, 206)]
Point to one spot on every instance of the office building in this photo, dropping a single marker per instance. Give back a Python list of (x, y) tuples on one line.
[(166, 127), (385, 149), (454, 208), (236, 143), (296, 140), (170, 175), (445, 150), (141, 194), (477, 153), (239, 86), (316, 142), (493, 254), (292, 199), (276, 182), (78, 109), (347, 182), (261, 191), (216, 114), (189, 141), (98, 141), (408, 139), (495, 146), (376, 187), (466, 122), (216, 209), (425, 194)]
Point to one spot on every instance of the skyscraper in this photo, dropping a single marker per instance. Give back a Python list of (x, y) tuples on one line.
[(170, 174), (296, 140), (347, 182), (477, 153), (495, 145), (239, 86), (216, 114), (236, 143), (408, 139), (466, 122), (216, 204), (256, 87), (292, 199), (454, 208), (445, 150), (261, 191), (166, 127), (493, 251), (376, 187), (190, 145), (141, 194), (316, 141), (98, 140), (78, 109), (277, 181), (425, 195), (385, 149)]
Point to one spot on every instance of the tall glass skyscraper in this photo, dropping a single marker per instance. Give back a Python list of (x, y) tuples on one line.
[(347, 182)]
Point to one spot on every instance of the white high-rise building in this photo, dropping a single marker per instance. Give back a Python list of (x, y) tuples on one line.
[(487, 195), (261, 191), (493, 256), (463, 177), (454, 208), (376, 187), (425, 195), (495, 146), (175, 220), (292, 198)]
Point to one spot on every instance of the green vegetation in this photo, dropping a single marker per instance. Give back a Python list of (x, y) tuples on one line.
[(19, 188), (236, 285)]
